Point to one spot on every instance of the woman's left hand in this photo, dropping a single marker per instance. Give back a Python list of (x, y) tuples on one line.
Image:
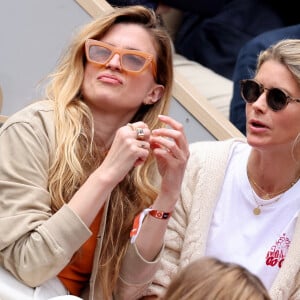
[(171, 149)]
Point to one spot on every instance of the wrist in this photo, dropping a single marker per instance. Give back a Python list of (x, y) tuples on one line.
[(138, 220), (160, 214)]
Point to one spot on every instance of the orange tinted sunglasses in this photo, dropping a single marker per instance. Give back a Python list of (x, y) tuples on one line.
[(132, 61)]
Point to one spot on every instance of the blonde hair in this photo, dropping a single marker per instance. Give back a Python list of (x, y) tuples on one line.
[(77, 155), (209, 278), (286, 52)]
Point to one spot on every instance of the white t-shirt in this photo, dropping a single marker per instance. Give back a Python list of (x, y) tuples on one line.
[(257, 242)]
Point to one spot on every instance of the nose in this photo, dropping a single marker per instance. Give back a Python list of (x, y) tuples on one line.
[(115, 62), (261, 102)]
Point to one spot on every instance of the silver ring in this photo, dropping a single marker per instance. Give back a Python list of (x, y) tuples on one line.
[(140, 135)]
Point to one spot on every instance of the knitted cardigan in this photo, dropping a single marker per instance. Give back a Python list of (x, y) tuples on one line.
[(189, 226)]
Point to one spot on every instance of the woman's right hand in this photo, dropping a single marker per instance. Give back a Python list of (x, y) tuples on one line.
[(126, 151)]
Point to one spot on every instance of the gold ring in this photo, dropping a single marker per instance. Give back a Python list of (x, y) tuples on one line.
[(140, 135)]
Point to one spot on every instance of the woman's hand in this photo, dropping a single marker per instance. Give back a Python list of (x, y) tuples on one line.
[(130, 148), (171, 149)]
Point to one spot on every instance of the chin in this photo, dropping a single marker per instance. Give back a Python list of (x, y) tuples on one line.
[(256, 141)]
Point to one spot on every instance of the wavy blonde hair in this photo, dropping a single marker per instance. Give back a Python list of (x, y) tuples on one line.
[(77, 156)]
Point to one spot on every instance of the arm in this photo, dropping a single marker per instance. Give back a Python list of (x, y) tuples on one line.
[(137, 274), (171, 153), (39, 244)]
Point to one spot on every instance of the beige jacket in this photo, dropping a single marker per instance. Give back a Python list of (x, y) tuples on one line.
[(34, 244), (188, 228)]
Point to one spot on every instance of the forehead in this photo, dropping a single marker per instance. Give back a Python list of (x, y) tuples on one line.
[(130, 36), (275, 74)]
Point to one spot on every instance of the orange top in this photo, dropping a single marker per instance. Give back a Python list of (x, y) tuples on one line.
[(75, 276)]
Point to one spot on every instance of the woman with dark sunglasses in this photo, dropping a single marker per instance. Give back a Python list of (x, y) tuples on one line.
[(246, 64), (78, 167), (241, 198)]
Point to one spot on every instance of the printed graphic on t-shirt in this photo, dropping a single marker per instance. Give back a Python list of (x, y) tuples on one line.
[(277, 254)]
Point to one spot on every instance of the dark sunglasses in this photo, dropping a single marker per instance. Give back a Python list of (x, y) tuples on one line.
[(276, 98), (132, 61)]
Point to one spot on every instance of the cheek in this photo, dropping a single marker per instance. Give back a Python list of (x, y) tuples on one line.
[(87, 80), (138, 83), (247, 110), (288, 125)]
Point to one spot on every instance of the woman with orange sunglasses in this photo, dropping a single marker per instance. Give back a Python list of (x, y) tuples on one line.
[(78, 167)]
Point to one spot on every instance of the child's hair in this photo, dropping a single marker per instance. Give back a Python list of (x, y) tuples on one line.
[(212, 279)]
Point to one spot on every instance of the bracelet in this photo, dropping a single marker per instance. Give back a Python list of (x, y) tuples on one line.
[(138, 220), (158, 214)]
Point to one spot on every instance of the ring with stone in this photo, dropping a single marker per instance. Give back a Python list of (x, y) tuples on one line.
[(140, 135)]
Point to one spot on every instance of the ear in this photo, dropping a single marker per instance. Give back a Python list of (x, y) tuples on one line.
[(154, 94)]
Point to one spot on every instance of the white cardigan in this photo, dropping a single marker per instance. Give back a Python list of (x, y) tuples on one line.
[(189, 226)]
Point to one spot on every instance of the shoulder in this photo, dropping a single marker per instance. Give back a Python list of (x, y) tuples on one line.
[(34, 121), (37, 112), (210, 156), (38, 109), (214, 148)]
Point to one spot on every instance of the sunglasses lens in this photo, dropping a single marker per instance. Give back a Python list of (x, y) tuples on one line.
[(133, 62), (277, 100), (250, 90), (99, 54)]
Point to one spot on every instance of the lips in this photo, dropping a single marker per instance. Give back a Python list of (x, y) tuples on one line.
[(109, 78), (257, 124)]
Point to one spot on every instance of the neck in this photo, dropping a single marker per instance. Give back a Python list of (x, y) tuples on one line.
[(270, 178), (259, 190), (106, 127)]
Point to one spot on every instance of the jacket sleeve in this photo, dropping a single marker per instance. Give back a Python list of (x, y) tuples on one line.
[(170, 260), (136, 274), (34, 244)]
